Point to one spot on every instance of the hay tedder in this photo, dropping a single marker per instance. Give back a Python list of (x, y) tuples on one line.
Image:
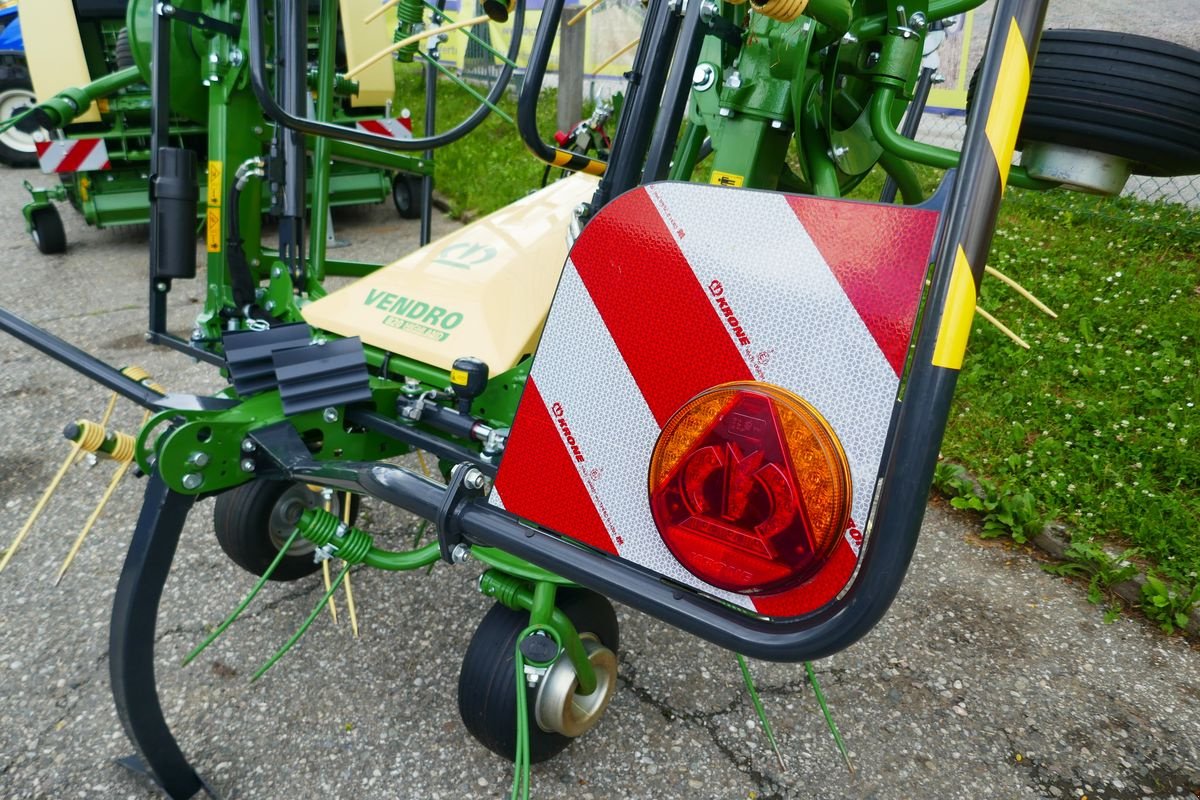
[(90, 61), (724, 410)]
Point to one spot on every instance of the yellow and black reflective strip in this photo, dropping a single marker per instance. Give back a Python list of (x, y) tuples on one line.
[(578, 163), (986, 184)]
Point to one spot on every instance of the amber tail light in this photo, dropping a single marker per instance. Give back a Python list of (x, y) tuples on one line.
[(750, 488)]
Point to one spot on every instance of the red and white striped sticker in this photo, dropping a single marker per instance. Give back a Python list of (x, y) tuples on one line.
[(59, 156), (398, 128), (675, 288)]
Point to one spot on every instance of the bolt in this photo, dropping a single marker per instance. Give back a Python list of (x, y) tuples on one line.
[(872, 58), (733, 80), (247, 465), (474, 479), (725, 112), (704, 77), (460, 553), (248, 446), (192, 480), (776, 124), (327, 494), (330, 415), (917, 21), (235, 57), (161, 286), (198, 459), (849, 38), (276, 272), (838, 152), (270, 305)]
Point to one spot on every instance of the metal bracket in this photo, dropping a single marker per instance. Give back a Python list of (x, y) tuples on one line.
[(198, 20), (457, 490)]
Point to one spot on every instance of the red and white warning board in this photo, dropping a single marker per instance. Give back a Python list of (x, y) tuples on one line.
[(394, 128), (59, 156), (675, 288)]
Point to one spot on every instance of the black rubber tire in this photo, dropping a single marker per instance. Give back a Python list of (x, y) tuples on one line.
[(16, 147), (487, 699), (242, 523), (1129, 96), (123, 50), (407, 196), (48, 232)]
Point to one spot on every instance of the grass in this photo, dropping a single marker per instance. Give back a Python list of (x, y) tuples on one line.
[(1097, 423), (1095, 426), (490, 167)]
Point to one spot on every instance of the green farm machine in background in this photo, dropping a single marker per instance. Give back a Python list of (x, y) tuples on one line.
[(90, 62)]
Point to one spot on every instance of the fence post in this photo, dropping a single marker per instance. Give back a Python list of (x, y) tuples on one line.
[(571, 42)]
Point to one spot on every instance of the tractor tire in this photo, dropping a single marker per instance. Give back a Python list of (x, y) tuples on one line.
[(48, 232), (123, 50), (487, 694), (17, 148), (250, 528), (1125, 95)]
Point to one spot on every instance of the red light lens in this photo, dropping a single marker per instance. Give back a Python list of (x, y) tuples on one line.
[(749, 488)]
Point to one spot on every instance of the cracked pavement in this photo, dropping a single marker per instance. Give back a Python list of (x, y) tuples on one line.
[(989, 678)]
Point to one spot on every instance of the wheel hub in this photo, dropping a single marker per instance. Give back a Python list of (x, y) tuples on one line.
[(12, 103), (286, 514), (559, 708)]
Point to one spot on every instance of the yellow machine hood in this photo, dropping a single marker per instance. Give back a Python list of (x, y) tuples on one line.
[(483, 291)]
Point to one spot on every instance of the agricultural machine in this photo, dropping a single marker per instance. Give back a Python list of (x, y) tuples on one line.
[(724, 411), (92, 59)]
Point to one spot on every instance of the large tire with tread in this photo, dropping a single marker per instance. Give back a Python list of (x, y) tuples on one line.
[(16, 95), (250, 527), (48, 232), (1122, 94), (123, 50), (487, 699)]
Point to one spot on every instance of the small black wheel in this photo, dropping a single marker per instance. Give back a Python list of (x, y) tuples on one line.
[(17, 147), (1121, 94), (123, 50), (487, 693), (251, 524), (406, 194), (48, 232)]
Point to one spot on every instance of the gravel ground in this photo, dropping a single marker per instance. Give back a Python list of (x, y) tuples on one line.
[(989, 678)]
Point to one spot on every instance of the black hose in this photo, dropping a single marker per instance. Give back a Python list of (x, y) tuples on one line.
[(314, 128)]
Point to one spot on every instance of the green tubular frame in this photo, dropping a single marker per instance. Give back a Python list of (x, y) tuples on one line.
[(538, 600)]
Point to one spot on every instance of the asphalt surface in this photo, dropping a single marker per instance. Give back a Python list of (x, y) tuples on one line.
[(989, 678)]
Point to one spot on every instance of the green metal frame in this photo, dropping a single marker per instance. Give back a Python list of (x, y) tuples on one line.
[(118, 196)]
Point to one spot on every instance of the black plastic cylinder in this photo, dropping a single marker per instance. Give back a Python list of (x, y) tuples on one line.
[(173, 231)]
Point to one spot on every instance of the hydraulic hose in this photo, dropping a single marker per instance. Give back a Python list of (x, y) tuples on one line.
[(328, 130)]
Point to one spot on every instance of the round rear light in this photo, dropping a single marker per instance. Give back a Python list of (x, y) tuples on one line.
[(750, 488)]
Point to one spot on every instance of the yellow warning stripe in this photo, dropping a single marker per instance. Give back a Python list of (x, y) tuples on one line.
[(1008, 105), (955, 326), (1003, 123), (578, 163)]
